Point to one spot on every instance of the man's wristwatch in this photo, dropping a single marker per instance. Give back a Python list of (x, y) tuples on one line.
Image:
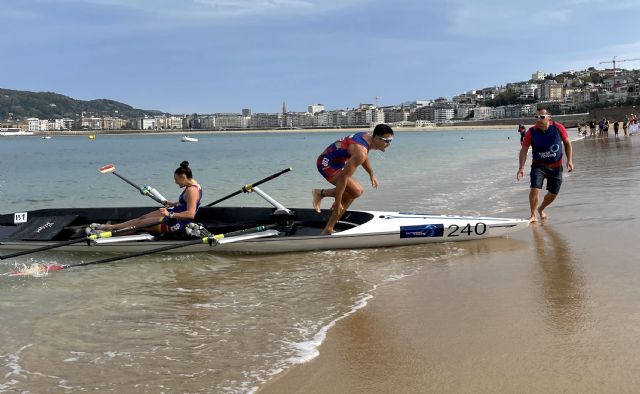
[(171, 213)]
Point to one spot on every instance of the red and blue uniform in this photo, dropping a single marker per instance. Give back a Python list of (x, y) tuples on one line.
[(174, 224), (335, 157), (547, 156), (546, 146)]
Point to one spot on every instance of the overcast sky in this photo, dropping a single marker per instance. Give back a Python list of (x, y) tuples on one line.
[(204, 56)]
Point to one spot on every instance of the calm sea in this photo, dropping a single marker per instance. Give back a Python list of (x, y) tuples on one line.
[(216, 323)]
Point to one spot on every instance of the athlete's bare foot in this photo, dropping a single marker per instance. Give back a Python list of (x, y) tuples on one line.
[(316, 194), (533, 219), (543, 216)]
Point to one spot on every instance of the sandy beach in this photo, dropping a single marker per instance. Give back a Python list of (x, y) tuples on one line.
[(553, 309)]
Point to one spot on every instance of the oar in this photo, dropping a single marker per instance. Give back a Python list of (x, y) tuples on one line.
[(247, 188), (212, 240), (145, 191), (87, 239)]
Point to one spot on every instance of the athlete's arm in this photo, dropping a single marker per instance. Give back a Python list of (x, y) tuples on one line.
[(522, 158), (367, 167), (569, 151)]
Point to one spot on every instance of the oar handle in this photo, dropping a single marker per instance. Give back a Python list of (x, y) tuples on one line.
[(247, 188)]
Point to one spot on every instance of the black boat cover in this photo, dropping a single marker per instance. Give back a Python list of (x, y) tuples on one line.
[(42, 228)]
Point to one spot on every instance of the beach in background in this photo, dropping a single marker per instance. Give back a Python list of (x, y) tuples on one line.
[(551, 309)]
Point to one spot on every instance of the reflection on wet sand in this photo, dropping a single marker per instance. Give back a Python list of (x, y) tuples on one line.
[(562, 283)]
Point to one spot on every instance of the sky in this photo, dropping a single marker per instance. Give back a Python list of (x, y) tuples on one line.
[(207, 56)]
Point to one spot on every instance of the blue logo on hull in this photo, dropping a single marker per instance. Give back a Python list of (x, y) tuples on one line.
[(422, 231)]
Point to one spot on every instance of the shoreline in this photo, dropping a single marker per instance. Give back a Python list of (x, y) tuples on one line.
[(513, 127), (535, 312)]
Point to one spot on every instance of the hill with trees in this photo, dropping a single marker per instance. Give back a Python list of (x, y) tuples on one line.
[(19, 104)]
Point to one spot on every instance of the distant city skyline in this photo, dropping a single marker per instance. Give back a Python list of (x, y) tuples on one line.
[(208, 56)]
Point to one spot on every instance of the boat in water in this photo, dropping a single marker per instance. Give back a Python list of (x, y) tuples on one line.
[(186, 138), (13, 132), (279, 229)]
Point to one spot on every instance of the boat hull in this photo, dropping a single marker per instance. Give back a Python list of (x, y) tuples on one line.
[(299, 231)]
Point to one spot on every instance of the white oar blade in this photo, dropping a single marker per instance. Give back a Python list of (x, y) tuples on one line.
[(107, 169)]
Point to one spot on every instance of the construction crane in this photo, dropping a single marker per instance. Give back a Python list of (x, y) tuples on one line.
[(614, 61), (377, 98)]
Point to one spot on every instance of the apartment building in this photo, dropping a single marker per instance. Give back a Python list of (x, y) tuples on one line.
[(315, 108)]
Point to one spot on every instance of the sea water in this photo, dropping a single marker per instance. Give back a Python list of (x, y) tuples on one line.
[(218, 323)]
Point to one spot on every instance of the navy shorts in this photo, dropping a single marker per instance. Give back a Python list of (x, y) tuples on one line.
[(170, 225), (552, 175)]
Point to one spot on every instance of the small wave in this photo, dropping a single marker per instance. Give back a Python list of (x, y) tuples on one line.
[(19, 374), (308, 350), (38, 200)]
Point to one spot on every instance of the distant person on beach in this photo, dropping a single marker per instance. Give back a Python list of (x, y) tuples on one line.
[(522, 130), (616, 125), (545, 139), (601, 127), (592, 128), (339, 162), (625, 124)]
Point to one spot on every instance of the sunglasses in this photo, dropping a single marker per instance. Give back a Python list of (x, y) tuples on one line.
[(387, 140), (541, 116)]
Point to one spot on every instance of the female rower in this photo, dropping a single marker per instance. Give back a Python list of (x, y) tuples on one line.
[(173, 216)]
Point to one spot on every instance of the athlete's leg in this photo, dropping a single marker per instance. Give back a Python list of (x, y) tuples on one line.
[(533, 203), (537, 179), (554, 182), (146, 220), (352, 190), (548, 199)]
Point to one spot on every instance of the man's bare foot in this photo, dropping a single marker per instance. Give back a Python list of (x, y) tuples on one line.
[(533, 219), (543, 216), (317, 198), (327, 231)]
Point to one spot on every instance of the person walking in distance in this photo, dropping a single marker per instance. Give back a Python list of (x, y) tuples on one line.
[(339, 162), (521, 130), (546, 138)]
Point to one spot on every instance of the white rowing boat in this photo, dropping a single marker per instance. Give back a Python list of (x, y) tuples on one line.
[(290, 230)]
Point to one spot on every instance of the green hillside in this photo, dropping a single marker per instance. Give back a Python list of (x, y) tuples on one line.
[(46, 105)]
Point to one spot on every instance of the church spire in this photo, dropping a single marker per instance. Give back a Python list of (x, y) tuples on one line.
[(284, 107)]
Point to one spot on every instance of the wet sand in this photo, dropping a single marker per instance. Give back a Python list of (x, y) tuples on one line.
[(553, 309)]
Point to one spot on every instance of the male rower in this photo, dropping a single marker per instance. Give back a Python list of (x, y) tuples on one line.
[(545, 139), (339, 162)]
